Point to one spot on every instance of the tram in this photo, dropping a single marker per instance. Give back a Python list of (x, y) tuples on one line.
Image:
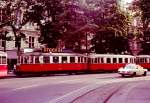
[(143, 60), (46, 63), (3, 64), (109, 62)]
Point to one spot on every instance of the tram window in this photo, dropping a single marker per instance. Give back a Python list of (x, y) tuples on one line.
[(120, 60), (72, 59), (26, 60), (114, 60), (89, 60), (31, 59), (37, 60), (55, 59), (145, 60), (46, 59), (64, 59), (141, 60), (85, 60), (79, 59), (102, 60), (95, 61), (21, 59), (3, 60), (98, 60), (0, 60), (130, 60), (108, 60), (126, 60), (138, 60)]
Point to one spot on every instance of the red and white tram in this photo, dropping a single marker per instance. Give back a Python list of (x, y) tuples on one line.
[(50, 63), (45, 63), (3, 64), (143, 60), (109, 62)]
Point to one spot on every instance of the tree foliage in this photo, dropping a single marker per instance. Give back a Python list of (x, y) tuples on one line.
[(142, 8), (9, 15), (112, 34), (46, 14), (59, 19)]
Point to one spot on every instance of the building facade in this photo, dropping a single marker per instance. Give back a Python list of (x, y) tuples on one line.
[(30, 40)]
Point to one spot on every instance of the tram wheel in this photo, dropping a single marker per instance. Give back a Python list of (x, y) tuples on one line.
[(145, 73)]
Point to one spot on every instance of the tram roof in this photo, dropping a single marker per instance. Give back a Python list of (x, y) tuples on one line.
[(51, 54), (143, 56), (109, 55)]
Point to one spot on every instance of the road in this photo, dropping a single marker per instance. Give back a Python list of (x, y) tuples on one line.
[(85, 88)]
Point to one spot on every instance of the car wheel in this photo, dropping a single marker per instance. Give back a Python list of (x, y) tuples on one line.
[(134, 74), (145, 73), (122, 75)]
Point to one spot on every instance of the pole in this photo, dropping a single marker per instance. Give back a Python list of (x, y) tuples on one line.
[(86, 44)]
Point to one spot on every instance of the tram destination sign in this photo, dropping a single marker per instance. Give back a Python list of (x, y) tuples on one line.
[(52, 50)]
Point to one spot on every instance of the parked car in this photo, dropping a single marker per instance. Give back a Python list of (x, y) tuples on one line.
[(132, 70)]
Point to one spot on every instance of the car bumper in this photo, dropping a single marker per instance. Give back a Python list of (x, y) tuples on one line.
[(125, 73)]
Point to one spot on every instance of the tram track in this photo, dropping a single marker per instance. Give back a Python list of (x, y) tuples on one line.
[(107, 92), (100, 94), (77, 95)]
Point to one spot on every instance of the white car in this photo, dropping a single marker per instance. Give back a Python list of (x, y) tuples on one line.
[(132, 70)]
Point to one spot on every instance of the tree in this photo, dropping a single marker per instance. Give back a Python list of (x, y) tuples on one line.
[(9, 17), (144, 6), (113, 27), (46, 14), (142, 9)]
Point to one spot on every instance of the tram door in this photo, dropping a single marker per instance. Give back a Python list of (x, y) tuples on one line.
[(11, 63)]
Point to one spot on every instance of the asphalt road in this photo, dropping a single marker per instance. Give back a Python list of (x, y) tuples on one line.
[(89, 88)]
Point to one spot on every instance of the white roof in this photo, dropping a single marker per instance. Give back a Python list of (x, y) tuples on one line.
[(110, 56), (145, 56), (52, 54)]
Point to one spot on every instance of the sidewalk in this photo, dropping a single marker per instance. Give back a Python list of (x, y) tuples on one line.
[(11, 74)]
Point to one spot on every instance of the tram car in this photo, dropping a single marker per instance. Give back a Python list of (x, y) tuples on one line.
[(46, 63), (144, 61), (3, 64), (109, 62)]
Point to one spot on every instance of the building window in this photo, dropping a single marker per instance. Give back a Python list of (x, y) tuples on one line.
[(31, 42), (2, 42)]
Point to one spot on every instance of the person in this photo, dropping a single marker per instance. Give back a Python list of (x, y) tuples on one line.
[(14, 68)]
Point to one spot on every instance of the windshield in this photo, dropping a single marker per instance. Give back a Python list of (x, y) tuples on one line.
[(130, 66)]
